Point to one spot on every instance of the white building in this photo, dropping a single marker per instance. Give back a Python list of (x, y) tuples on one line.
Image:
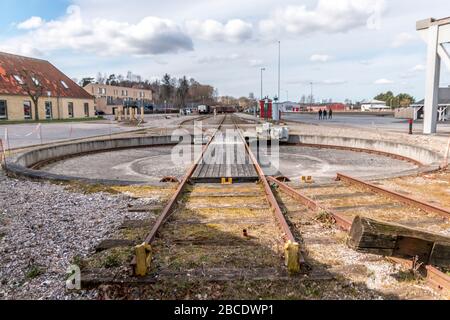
[(372, 105)]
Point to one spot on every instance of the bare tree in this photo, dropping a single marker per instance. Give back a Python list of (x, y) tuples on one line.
[(33, 87)]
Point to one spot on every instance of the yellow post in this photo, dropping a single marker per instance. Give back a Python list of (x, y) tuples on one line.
[(292, 256), (226, 181), (143, 259)]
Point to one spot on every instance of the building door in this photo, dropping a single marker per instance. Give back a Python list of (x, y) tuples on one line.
[(27, 110), (48, 110), (86, 110), (70, 109)]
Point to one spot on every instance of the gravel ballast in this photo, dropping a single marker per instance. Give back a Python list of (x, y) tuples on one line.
[(43, 227)]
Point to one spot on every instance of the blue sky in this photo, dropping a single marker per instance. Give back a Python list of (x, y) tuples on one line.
[(13, 11), (349, 48)]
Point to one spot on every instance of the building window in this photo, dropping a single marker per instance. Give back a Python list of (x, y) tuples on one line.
[(27, 110), (19, 79), (86, 110), (70, 109), (64, 84), (125, 93), (3, 110), (48, 110), (101, 90)]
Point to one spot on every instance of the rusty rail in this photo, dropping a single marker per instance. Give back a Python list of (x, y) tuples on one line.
[(293, 255), (342, 221), (142, 257), (173, 200), (396, 196), (281, 220), (434, 277)]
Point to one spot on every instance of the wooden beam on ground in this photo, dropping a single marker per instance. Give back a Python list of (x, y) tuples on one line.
[(392, 240)]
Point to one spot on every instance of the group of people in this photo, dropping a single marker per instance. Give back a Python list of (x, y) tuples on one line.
[(324, 114)]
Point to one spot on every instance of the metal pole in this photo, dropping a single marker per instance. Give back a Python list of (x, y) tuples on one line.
[(262, 70), (279, 71)]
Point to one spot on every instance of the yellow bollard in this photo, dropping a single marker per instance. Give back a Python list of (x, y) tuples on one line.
[(291, 252), (143, 259)]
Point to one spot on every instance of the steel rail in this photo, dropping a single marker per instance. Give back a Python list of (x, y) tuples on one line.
[(165, 214), (281, 220), (434, 277), (395, 195), (342, 221), (361, 150)]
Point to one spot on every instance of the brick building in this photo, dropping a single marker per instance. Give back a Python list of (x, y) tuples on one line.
[(59, 96), (108, 97)]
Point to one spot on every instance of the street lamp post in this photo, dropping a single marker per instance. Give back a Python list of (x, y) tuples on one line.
[(262, 93)]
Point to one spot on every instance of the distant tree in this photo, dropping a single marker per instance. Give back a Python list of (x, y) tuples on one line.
[(101, 79), (167, 87), (401, 100), (85, 81), (32, 85), (112, 80), (303, 99), (183, 90), (405, 100)]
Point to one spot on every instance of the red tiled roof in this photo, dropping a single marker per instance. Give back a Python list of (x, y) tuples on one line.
[(47, 75)]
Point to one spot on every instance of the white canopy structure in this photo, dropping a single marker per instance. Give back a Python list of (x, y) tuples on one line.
[(436, 33)]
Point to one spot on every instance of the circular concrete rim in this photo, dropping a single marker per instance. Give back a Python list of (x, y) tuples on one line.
[(17, 169)]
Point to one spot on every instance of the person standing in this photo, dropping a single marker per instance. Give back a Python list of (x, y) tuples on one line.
[(331, 114), (325, 114), (320, 114)]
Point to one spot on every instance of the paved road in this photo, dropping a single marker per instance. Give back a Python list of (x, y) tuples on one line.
[(21, 135), (365, 121)]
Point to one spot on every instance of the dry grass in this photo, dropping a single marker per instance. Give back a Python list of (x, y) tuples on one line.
[(109, 259), (146, 191), (225, 201), (183, 258)]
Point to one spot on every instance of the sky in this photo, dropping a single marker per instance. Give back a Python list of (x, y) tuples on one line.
[(348, 49)]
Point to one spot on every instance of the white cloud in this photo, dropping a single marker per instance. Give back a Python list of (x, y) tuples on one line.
[(320, 58), (403, 39), (151, 35), (256, 63), (234, 30), (383, 81), (219, 58), (418, 68), (333, 82), (328, 16), (32, 23)]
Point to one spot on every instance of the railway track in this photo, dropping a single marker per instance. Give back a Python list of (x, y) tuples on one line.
[(201, 231), (350, 197), (250, 233)]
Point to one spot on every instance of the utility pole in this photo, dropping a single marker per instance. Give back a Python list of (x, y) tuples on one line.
[(311, 94)]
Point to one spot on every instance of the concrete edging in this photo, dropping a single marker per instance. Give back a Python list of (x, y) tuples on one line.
[(427, 160), (23, 164)]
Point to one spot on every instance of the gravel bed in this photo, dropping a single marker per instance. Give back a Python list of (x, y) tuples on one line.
[(43, 227)]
